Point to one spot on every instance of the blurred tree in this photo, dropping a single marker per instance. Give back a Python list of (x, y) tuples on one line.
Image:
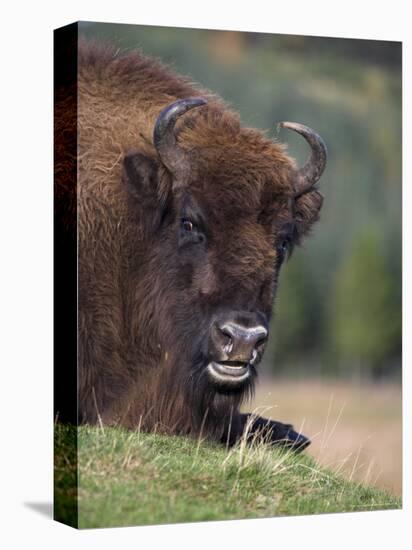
[(366, 325), (299, 313)]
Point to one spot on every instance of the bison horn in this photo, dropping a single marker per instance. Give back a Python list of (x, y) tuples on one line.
[(164, 138), (309, 174)]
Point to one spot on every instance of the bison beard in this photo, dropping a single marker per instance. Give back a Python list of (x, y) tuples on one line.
[(184, 219)]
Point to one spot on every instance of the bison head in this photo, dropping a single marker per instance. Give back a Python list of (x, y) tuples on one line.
[(221, 207)]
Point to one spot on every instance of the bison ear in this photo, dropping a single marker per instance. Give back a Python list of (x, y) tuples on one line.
[(307, 209), (142, 178)]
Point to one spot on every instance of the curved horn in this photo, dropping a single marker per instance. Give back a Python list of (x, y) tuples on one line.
[(309, 174), (164, 138)]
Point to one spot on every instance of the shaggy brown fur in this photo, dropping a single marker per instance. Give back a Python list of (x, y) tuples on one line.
[(145, 303)]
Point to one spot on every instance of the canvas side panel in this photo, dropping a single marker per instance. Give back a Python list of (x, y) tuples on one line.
[(65, 275)]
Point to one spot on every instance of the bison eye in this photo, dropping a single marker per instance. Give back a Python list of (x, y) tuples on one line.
[(282, 249), (187, 225), (190, 233)]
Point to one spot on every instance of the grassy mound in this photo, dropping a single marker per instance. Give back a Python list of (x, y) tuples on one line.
[(126, 478)]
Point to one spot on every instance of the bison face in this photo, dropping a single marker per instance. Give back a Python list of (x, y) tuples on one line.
[(216, 234), (226, 274)]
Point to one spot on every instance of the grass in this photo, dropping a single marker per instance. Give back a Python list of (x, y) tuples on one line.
[(355, 428), (129, 478)]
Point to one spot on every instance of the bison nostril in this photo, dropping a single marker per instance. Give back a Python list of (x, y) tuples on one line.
[(222, 338), (261, 342), (228, 347), (225, 332), (227, 340)]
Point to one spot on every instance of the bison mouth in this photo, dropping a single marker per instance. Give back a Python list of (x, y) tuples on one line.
[(229, 372)]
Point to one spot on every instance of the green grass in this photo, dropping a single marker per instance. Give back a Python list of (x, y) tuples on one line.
[(129, 478)]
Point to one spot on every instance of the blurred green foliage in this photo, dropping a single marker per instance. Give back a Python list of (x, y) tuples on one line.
[(366, 295), (338, 309)]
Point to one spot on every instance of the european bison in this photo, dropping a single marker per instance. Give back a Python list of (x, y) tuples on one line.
[(184, 218)]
